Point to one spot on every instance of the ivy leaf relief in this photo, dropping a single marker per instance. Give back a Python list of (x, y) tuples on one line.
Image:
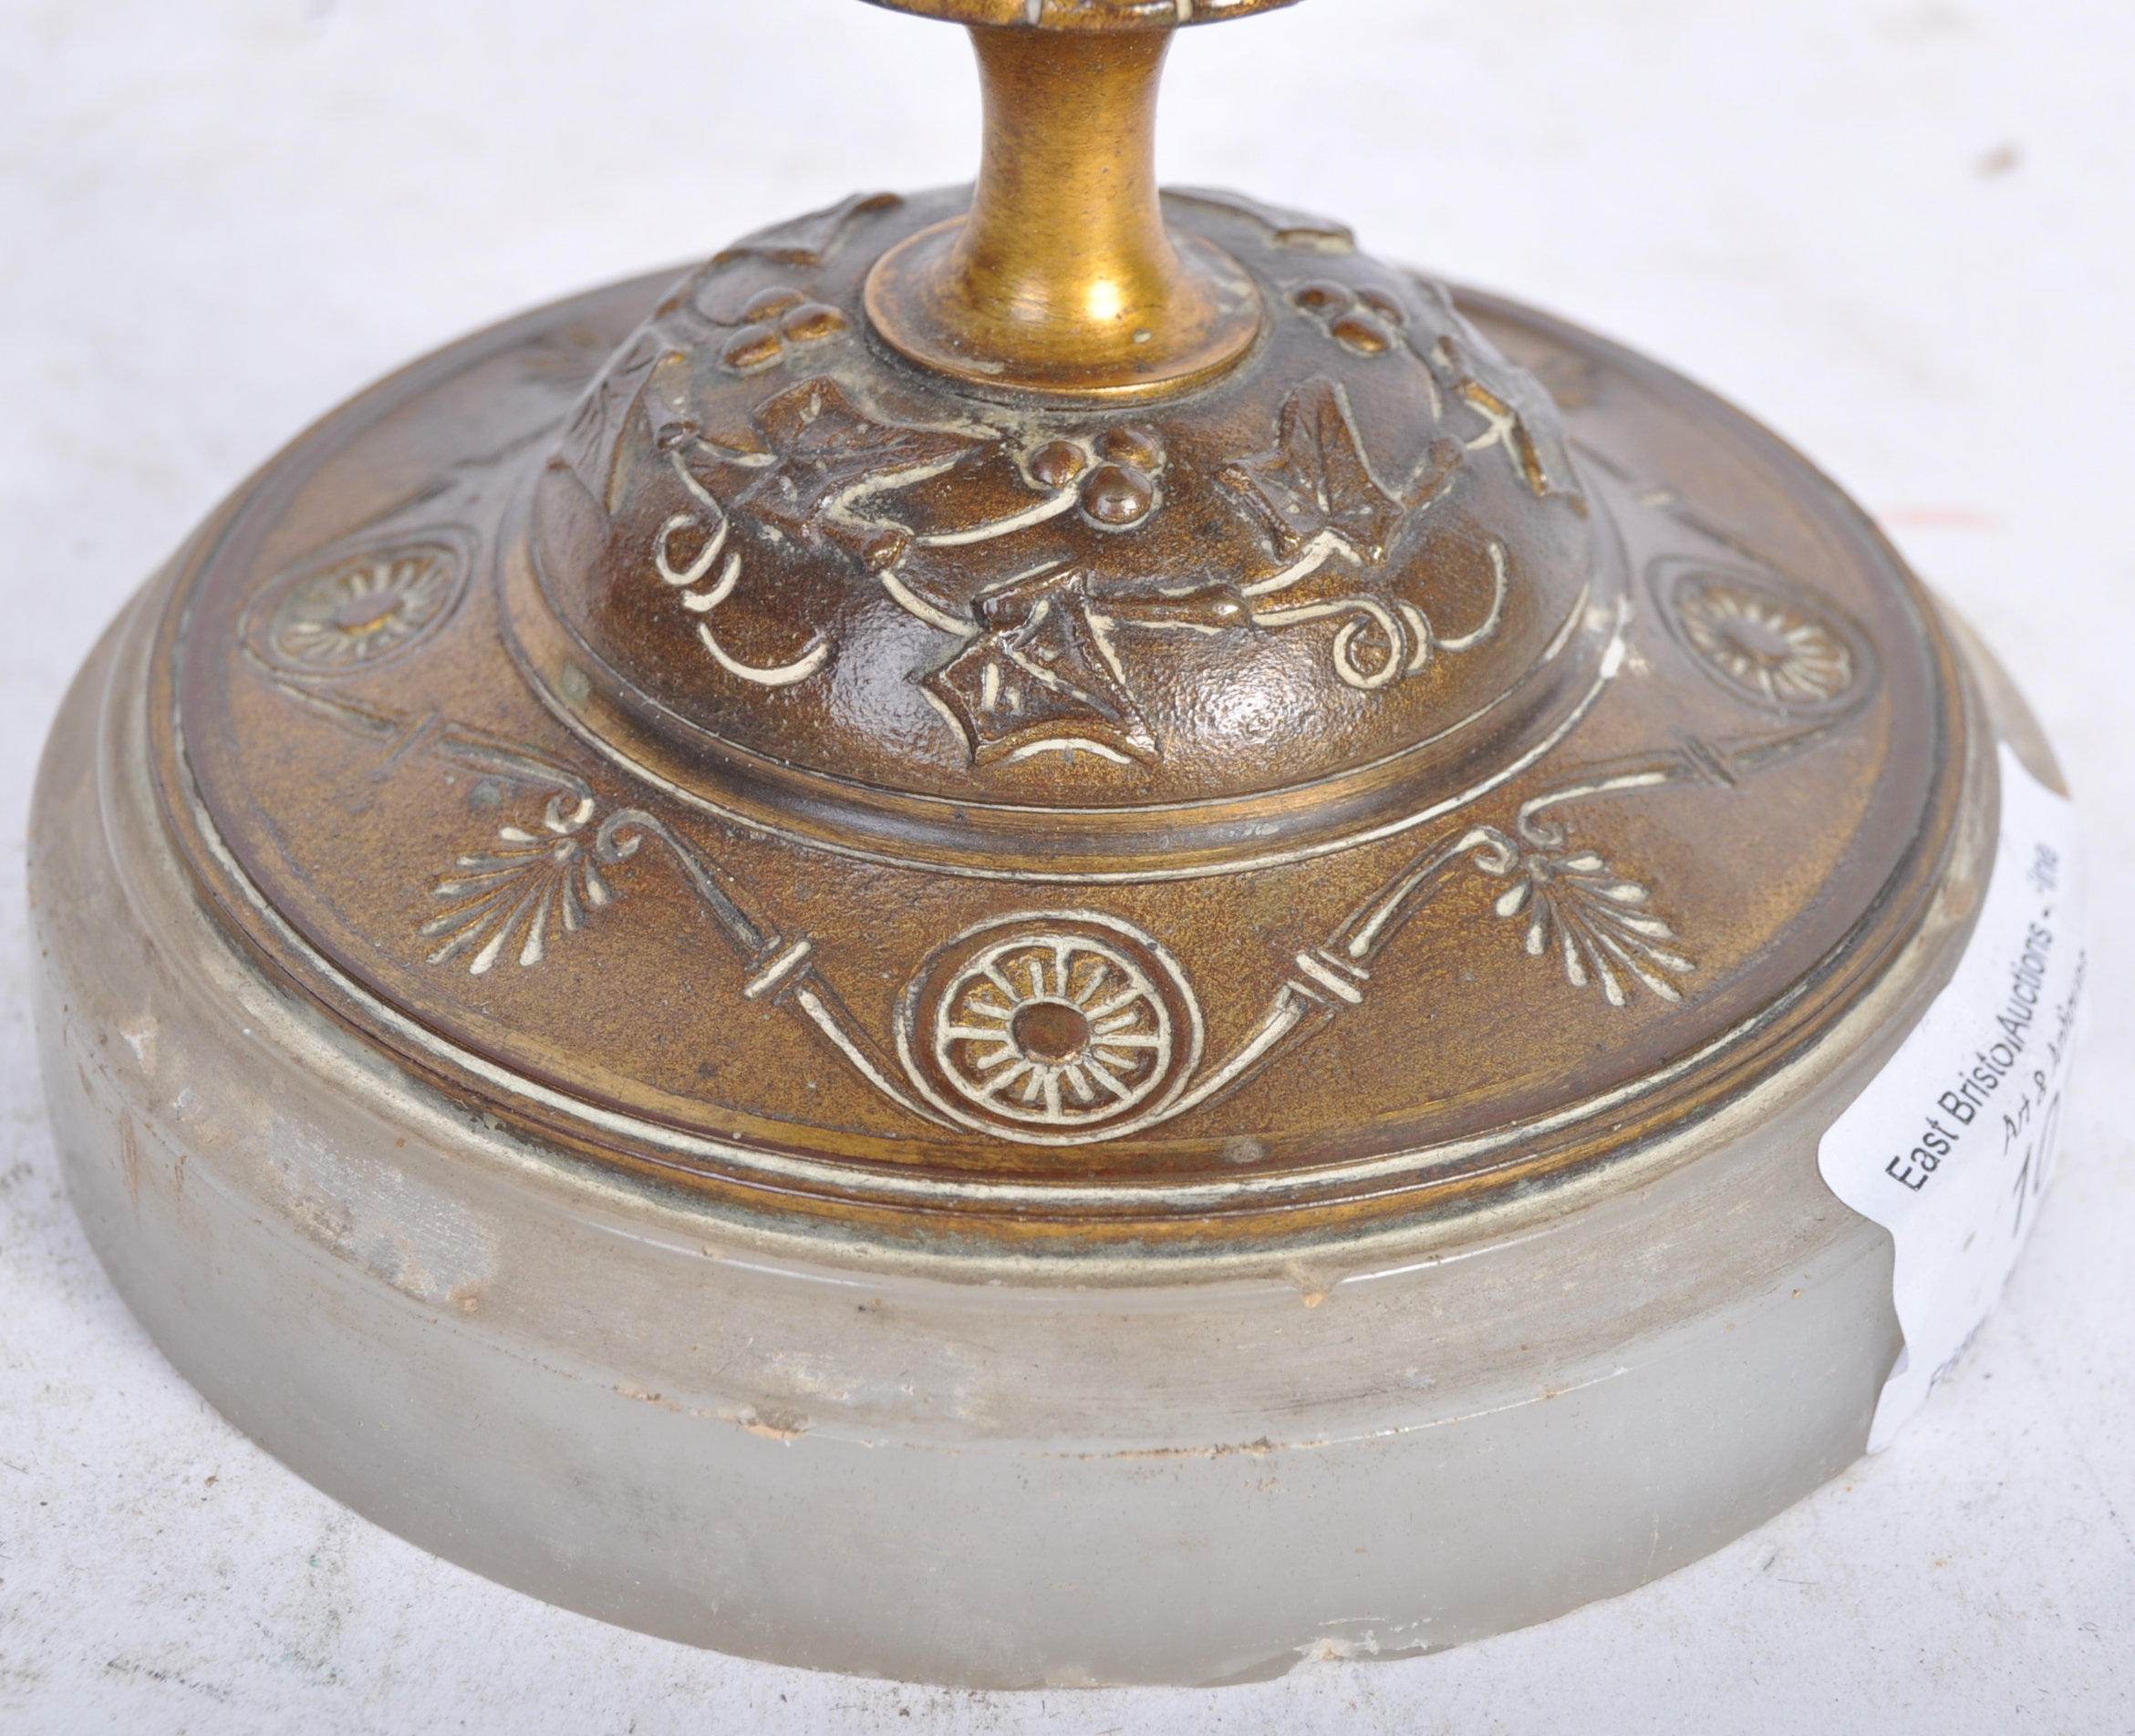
[(1315, 484), (828, 456), (1042, 677)]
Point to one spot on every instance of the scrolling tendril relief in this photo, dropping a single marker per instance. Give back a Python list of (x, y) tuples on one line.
[(1061, 1027), (1060, 608), (1034, 664), (1068, 1026)]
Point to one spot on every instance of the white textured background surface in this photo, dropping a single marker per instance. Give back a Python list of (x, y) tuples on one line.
[(1902, 232)]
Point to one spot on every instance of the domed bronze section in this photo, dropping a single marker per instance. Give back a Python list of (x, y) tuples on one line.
[(1418, 760), (1679, 863), (862, 605)]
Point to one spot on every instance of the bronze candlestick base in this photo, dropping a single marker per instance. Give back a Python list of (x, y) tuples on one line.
[(1039, 935)]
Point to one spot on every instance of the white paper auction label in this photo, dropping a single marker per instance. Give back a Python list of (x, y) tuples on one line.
[(1954, 1143)]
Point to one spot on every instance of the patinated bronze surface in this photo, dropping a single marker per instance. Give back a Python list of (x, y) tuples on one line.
[(855, 751)]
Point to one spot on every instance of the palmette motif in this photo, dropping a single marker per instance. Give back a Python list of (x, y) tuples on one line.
[(1053, 1034), (518, 887)]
